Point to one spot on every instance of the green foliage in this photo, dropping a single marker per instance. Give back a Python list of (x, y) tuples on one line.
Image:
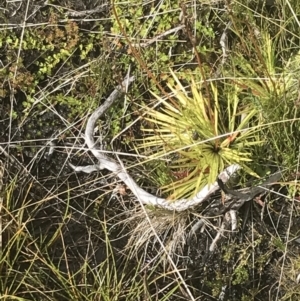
[(241, 275), (274, 91), (205, 133), (44, 58), (149, 23)]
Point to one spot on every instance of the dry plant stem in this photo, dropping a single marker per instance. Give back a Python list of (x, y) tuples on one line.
[(12, 89), (223, 43), (199, 224), (6, 154), (223, 293), (99, 8), (1, 202), (157, 38), (113, 166), (298, 279), (288, 232), (233, 220), (221, 231)]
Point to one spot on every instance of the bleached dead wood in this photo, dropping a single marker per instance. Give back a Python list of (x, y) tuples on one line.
[(120, 171)]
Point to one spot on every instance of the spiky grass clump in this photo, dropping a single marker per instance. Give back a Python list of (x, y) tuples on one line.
[(202, 131)]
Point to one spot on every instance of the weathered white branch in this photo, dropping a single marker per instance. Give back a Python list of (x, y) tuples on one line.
[(121, 172), (221, 232), (86, 169), (233, 220)]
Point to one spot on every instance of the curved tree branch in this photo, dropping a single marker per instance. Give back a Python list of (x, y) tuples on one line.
[(143, 196)]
